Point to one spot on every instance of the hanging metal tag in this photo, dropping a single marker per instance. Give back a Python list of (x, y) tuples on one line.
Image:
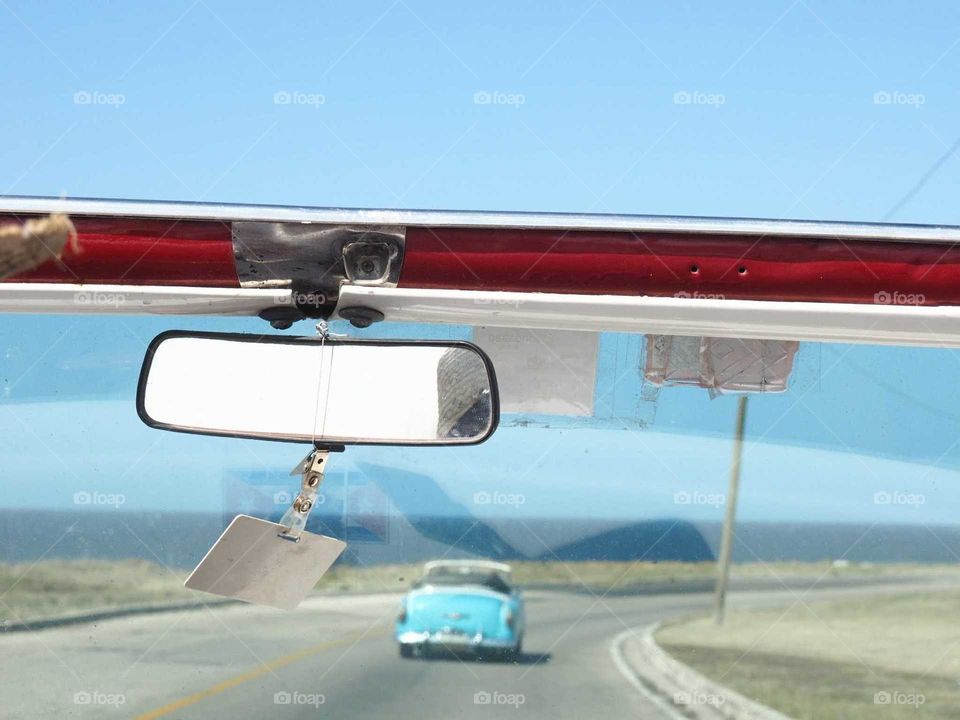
[(275, 564), (252, 562)]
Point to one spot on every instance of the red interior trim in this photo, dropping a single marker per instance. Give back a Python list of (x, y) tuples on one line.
[(199, 253), (674, 264), (134, 251)]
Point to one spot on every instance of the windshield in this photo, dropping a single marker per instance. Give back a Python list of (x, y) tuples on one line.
[(487, 580), (685, 536)]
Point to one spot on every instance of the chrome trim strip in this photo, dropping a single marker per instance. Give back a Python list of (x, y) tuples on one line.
[(923, 326), (72, 299), (483, 219)]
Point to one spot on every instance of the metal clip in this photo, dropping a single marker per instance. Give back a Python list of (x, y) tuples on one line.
[(294, 520)]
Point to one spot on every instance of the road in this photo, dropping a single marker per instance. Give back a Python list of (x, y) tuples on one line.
[(333, 657)]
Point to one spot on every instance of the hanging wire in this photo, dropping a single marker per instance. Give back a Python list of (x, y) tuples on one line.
[(324, 332), (921, 183)]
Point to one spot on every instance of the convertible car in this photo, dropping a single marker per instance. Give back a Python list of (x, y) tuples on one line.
[(467, 606)]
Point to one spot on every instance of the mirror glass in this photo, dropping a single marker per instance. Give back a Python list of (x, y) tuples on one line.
[(337, 392)]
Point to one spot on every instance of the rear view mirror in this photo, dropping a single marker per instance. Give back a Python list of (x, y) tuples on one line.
[(331, 392)]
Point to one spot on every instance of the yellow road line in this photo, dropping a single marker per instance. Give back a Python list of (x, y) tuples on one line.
[(233, 682)]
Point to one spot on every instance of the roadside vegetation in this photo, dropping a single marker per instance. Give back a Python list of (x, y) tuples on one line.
[(879, 656), (53, 588)]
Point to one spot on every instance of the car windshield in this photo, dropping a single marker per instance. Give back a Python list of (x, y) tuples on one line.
[(491, 581), (758, 520)]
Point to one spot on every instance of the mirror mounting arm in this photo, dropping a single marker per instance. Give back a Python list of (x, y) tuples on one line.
[(312, 469)]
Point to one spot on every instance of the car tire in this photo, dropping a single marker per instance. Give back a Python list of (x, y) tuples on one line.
[(406, 650), (514, 653)]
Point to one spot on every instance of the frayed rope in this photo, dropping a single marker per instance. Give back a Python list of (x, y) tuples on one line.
[(24, 247)]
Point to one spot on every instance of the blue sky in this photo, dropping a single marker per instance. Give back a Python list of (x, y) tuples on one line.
[(803, 109)]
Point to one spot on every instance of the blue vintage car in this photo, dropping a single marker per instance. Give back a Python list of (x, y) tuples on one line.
[(467, 606)]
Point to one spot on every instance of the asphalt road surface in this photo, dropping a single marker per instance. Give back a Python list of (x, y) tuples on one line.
[(333, 657)]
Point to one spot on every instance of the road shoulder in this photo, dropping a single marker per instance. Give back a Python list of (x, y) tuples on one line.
[(677, 688)]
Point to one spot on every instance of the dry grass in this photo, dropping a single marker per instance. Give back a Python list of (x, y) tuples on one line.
[(58, 587), (830, 659)]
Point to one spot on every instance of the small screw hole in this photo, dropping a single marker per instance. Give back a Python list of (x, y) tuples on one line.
[(742, 269), (694, 269)]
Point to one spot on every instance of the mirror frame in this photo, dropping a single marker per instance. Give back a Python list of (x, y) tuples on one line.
[(300, 339)]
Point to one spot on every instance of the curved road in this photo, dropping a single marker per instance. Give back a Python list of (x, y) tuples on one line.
[(333, 657)]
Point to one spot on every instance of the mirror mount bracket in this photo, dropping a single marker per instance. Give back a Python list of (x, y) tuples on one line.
[(282, 317), (311, 469), (314, 260)]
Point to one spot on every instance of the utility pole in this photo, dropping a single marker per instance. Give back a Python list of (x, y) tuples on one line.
[(730, 517)]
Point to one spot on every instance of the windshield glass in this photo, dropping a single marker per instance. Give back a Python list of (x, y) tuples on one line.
[(844, 512)]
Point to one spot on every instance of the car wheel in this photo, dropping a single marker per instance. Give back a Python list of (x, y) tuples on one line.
[(514, 653), (406, 650)]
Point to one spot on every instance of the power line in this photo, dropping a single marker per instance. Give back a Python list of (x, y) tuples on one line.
[(922, 181)]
